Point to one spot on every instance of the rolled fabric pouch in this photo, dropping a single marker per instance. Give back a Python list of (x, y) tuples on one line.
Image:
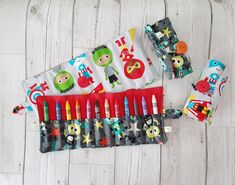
[(169, 49), (204, 98)]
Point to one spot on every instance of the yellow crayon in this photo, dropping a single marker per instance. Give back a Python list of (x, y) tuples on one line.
[(68, 111)]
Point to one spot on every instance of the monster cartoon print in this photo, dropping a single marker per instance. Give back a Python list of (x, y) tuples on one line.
[(63, 81), (167, 44), (216, 69), (208, 84), (117, 127), (151, 127), (72, 133), (102, 56), (133, 68), (84, 76)]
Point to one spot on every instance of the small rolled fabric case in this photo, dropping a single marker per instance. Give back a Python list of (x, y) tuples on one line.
[(207, 92), (170, 50)]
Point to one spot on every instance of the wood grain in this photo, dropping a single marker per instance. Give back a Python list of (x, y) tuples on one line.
[(38, 34), (54, 19), (12, 50), (184, 157)]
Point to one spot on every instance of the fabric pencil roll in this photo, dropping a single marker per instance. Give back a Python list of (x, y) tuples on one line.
[(169, 49), (207, 92)]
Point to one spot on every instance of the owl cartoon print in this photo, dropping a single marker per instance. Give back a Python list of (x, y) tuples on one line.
[(103, 57)]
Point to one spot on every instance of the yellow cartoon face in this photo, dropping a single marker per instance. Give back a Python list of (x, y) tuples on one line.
[(152, 131), (178, 61), (74, 129)]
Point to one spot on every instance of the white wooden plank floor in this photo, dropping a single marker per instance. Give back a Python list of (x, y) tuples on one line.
[(36, 35)]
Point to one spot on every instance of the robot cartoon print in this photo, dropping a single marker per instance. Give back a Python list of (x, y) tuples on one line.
[(103, 57), (84, 76), (133, 68)]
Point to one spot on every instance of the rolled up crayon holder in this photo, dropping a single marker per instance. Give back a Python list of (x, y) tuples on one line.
[(102, 120), (169, 49), (206, 93)]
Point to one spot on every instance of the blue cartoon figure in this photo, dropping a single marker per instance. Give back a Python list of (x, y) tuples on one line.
[(84, 77), (216, 68), (102, 56)]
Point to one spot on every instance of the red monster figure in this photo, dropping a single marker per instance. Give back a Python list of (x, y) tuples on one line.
[(134, 68), (202, 86)]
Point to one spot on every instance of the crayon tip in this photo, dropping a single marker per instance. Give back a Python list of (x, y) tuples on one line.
[(143, 100), (154, 99), (77, 105), (58, 105), (125, 100), (67, 106), (45, 104), (106, 102), (116, 101), (135, 106), (88, 103)]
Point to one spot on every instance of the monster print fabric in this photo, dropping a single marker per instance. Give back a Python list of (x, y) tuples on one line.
[(169, 49), (102, 124), (92, 133), (117, 65), (204, 98)]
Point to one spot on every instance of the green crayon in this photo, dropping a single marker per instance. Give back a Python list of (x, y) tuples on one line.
[(45, 109)]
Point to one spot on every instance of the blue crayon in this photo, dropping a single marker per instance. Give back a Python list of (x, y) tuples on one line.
[(126, 107), (144, 106), (58, 111)]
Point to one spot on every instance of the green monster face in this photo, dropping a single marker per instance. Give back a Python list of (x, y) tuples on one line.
[(63, 81), (102, 56)]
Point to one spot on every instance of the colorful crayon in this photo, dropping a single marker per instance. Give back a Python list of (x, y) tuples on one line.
[(78, 110), (126, 107), (135, 107), (88, 109), (45, 109), (68, 111), (106, 107), (154, 104), (58, 111), (144, 106), (116, 107), (97, 109)]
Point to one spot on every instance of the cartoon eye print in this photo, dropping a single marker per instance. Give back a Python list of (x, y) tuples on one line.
[(129, 69), (134, 68), (63, 81), (177, 61), (153, 131), (137, 65)]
